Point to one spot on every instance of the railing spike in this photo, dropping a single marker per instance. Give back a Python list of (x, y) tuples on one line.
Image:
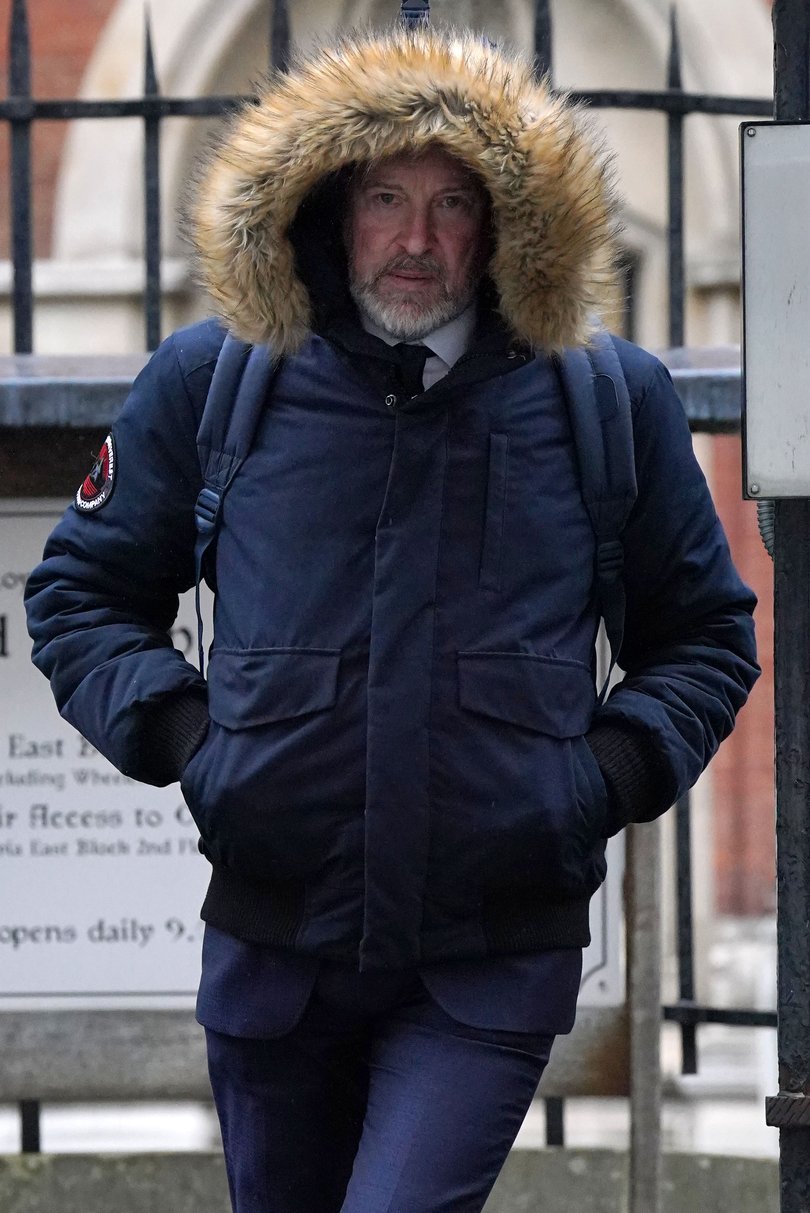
[(19, 68), (151, 185), (279, 36), (151, 87), (543, 39), (674, 74)]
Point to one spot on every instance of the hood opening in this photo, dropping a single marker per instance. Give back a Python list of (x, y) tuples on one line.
[(265, 221), (316, 235), (321, 263)]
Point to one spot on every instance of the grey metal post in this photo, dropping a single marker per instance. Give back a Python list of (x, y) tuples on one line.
[(644, 1005), (790, 1109)]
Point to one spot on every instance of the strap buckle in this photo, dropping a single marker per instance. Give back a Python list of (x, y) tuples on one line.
[(206, 511)]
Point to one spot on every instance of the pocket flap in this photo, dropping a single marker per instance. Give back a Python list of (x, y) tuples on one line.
[(259, 686), (540, 693)]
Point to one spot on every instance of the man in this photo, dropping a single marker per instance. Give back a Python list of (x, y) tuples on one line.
[(397, 763)]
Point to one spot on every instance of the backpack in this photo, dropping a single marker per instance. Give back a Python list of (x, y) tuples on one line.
[(598, 402)]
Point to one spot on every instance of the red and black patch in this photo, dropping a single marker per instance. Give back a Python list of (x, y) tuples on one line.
[(99, 483)]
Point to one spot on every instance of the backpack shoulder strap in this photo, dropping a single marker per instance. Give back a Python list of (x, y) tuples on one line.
[(237, 395), (601, 422)]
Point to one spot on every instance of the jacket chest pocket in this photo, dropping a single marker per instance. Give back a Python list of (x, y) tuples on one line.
[(543, 694), (489, 577), (248, 688)]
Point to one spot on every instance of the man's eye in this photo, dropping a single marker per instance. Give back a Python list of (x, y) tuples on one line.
[(385, 198), (456, 202)]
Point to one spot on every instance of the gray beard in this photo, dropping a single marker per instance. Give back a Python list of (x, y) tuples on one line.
[(405, 319)]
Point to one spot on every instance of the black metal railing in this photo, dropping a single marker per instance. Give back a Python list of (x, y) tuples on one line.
[(21, 111)]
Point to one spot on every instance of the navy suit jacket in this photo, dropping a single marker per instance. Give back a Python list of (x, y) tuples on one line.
[(255, 991)]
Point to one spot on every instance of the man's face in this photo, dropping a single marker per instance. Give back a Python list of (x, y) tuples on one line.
[(415, 242)]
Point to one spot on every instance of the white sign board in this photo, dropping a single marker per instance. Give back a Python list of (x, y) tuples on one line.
[(776, 309), (100, 877)]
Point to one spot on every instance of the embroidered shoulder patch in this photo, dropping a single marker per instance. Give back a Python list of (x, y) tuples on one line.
[(98, 485)]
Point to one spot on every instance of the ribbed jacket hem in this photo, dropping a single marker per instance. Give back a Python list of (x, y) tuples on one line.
[(270, 914), (273, 914), (512, 925)]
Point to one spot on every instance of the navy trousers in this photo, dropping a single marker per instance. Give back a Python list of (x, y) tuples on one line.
[(375, 1100)]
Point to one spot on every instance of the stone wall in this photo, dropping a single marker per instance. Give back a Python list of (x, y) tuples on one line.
[(554, 1181)]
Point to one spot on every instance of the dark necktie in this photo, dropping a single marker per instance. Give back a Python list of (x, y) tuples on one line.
[(411, 360)]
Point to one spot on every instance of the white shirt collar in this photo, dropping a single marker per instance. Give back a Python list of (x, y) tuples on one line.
[(448, 342)]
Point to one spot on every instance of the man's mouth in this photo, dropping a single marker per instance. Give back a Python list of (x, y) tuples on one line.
[(411, 277), (411, 273)]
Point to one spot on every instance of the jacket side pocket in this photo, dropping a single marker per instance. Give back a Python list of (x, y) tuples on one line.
[(490, 572)]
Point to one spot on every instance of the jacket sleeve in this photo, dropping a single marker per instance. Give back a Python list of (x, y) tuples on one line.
[(101, 603), (689, 652)]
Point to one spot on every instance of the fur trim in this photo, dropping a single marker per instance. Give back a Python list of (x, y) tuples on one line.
[(373, 96)]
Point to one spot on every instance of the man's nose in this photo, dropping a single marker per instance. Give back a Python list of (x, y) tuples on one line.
[(417, 231)]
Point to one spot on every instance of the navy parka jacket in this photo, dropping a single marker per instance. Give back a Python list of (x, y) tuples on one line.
[(397, 755), (402, 674)]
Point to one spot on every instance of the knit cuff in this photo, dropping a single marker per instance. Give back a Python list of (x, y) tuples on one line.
[(174, 729), (633, 774)]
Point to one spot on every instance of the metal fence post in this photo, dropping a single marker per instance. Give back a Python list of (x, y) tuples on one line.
[(279, 35), (153, 300), (686, 939), (30, 1128), (677, 274), (19, 81), (22, 240), (677, 294), (543, 40), (790, 1109), (644, 1005)]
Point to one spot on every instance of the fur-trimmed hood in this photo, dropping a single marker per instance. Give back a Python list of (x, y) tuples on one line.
[(371, 96)]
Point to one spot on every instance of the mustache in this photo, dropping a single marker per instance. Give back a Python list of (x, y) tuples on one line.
[(425, 265)]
